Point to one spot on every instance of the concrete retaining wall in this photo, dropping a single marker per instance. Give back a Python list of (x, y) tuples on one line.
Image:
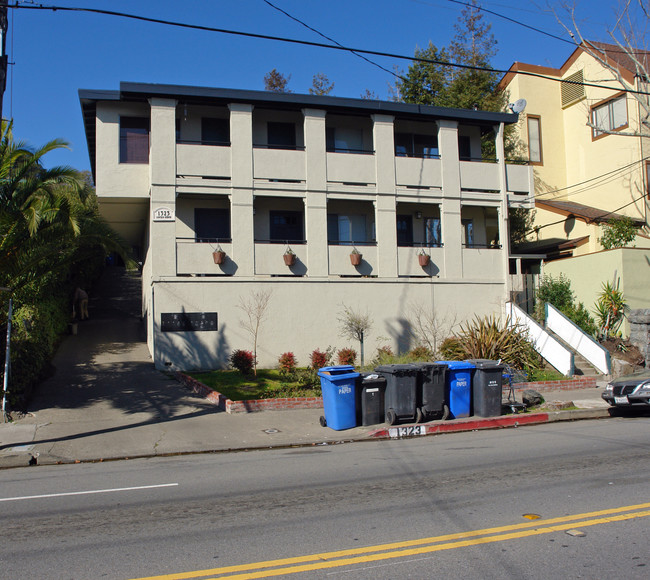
[(639, 320)]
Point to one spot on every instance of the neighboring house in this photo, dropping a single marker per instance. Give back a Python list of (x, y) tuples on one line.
[(586, 175), (182, 171)]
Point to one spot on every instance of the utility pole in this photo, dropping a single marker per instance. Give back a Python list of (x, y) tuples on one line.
[(3, 52)]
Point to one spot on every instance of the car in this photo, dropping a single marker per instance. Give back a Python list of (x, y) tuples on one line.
[(629, 390)]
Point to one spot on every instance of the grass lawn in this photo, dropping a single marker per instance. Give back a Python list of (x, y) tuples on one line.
[(268, 384)]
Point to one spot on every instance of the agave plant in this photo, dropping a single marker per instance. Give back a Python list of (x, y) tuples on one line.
[(488, 338)]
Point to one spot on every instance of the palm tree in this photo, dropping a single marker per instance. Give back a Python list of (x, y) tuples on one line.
[(48, 217)]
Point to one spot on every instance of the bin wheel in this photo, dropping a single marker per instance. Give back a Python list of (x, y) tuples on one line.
[(323, 422), (418, 415), (390, 417), (445, 412)]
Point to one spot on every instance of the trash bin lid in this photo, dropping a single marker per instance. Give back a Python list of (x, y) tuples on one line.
[(338, 371), (456, 365), (484, 363), (405, 369)]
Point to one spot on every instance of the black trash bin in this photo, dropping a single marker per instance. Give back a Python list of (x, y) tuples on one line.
[(487, 387), (433, 397), (401, 399), (371, 390)]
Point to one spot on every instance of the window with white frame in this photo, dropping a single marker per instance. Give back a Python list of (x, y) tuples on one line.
[(609, 116), (534, 139)]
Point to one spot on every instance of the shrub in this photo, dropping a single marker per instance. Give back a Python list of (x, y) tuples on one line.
[(287, 363), (487, 338), (618, 233), (320, 359), (420, 353), (557, 291), (242, 360), (384, 356), (347, 356)]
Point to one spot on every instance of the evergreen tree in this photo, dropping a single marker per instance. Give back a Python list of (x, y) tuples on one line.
[(321, 85), (276, 82)]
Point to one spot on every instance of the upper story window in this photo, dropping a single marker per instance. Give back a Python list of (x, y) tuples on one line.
[(432, 233), (347, 229), (404, 230), (215, 131), (464, 148), (534, 139), (344, 140), (609, 116), (415, 145), (134, 140), (286, 226), (281, 135), (211, 224)]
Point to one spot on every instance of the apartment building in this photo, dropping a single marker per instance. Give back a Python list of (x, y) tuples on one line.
[(588, 168), (226, 194)]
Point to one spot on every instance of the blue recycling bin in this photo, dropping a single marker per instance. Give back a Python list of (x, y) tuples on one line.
[(339, 399), (459, 381)]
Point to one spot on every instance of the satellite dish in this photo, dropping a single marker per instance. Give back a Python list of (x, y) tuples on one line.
[(518, 106)]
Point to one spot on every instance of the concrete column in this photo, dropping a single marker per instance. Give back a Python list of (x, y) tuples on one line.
[(504, 229), (386, 205), (162, 168), (450, 208), (316, 198), (241, 200)]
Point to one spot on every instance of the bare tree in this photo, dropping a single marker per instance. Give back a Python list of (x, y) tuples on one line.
[(354, 325), (429, 328), (255, 308), (626, 58)]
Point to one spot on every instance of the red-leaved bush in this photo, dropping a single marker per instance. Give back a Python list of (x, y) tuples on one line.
[(287, 363), (319, 359), (242, 360), (347, 356)]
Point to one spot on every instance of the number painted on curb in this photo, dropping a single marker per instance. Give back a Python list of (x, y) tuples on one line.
[(411, 431)]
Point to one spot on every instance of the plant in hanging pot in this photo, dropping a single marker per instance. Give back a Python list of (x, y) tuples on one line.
[(219, 256), (355, 257), (289, 257), (423, 258)]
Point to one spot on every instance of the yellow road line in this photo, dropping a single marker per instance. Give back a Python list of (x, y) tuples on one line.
[(333, 559)]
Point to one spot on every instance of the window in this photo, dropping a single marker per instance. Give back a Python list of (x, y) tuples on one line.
[(215, 131), (464, 148), (286, 226), (281, 135), (412, 145), (534, 139), (468, 233), (211, 224), (346, 229), (404, 230), (432, 233), (344, 140), (609, 116), (134, 140)]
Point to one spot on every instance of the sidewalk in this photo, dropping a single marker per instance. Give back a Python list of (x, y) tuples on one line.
[(106, 401)]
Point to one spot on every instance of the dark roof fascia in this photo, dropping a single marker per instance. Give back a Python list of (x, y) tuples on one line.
[(142, 91)]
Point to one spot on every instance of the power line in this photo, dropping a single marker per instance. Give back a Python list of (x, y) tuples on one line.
[(311, 43)]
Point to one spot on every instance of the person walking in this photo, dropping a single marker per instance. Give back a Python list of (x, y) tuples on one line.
[(80, 303)]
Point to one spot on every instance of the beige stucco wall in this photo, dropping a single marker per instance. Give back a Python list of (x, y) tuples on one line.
[(302, 316), (587, 274)]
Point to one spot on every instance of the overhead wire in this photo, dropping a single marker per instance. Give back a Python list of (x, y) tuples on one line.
[(316, 44)]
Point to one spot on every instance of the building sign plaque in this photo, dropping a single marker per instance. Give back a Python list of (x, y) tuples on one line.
[(188, 321), (163, 214)]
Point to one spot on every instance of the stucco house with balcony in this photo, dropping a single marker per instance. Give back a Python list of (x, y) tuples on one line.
[(587, 167), (183, 171)]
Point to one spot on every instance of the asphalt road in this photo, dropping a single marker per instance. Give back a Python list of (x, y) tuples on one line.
[(407, 509)]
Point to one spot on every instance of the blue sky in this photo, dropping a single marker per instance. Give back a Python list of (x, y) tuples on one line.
[(57, 53)]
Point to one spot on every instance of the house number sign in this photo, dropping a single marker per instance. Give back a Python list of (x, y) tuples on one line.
[(163, 214)]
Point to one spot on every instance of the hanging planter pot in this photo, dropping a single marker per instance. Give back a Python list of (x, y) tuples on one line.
[(356, 257), (424, 260), (289, 257), (219, 256)]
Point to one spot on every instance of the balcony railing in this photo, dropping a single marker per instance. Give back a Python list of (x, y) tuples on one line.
[(279, 163)]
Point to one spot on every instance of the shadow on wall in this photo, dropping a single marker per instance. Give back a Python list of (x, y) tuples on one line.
[(402, 333), (191, 350)]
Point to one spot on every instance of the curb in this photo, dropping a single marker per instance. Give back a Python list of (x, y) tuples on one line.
[(398, 432), (473, 424)]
